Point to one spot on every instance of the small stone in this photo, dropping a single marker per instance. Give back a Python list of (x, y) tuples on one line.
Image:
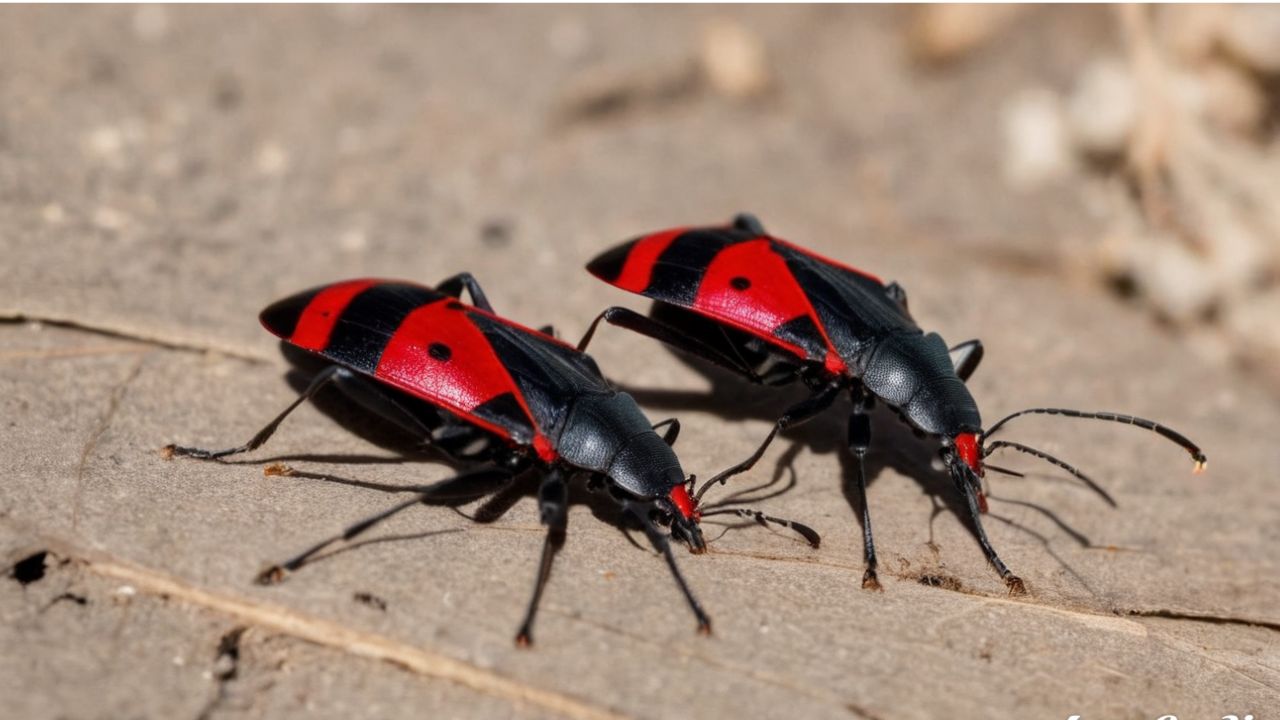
[(353, 240), (271, 159), (1172, 278), (944, 32), (108, 218), (1036, 147), (151, 22), (734, 60), (1231, 99), (105, 141), (1252, 34), (1103, 109)]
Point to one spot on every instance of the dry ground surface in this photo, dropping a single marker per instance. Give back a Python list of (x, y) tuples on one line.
[(164, 173)]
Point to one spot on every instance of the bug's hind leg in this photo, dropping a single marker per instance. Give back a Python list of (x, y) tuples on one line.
[(326, 376), (859, 443), (363, 391), (454, 286), (553, 509)]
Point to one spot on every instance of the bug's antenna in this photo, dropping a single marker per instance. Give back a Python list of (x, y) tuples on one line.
[(810, 535), (1168, 433), (1003, 470), (988, 449)]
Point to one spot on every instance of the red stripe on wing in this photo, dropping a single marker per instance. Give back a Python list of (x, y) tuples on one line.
[(461, 374), (638, 270), (749, 286), (321, 314)]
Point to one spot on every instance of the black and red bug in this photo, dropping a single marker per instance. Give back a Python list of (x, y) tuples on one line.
[(484, 389), (777, 313)]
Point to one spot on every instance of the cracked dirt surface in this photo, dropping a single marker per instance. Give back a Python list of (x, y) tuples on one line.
[(163, 176)]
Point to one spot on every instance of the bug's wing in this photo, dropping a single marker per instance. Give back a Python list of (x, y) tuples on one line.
[(413, 338), (853, 307), (771, 289)]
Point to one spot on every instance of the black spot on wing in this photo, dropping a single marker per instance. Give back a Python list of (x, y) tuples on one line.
[(281, 317), (369, 321)]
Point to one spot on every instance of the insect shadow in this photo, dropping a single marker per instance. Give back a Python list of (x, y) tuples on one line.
[(894, 446), (405, 448)]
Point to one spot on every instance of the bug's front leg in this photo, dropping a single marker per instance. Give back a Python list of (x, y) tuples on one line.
[(966, 482), (859, 443)]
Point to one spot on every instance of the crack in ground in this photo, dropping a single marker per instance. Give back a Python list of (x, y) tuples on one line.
[(226, 668), (1202, 617), (158, 341), (327, 633), (113, 405)]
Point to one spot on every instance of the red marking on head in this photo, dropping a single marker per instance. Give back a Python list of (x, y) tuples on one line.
[(834, 364), (685, 504), (322, 313), (638, 270), (967, 446)]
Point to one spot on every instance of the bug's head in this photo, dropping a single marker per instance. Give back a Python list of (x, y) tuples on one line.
[(968, 450), (685, 516)]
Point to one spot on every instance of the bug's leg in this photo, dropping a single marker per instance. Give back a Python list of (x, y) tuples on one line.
[(749, 223), (454, 286), (673, 430), (553, 509), (859, 442), (659, 541), (965, 357), (460, 486), (363, 391), (960, 475), (664, 333), (898, 294), (326, 376), (799, 413)]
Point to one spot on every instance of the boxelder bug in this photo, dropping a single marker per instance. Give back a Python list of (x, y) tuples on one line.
[(514, 398), (485, 390), (776, 313)]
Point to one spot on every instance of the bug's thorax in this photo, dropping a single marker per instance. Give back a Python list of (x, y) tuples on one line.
[(912, 372), (608, 434)]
